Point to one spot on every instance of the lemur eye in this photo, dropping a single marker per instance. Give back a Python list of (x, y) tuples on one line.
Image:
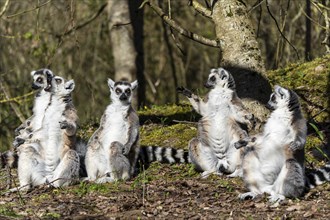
[(273, 98), (58, 81), (39, 80), (213, 78), (128, 91), (118, 91)]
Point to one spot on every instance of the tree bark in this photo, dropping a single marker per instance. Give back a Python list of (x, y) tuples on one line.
[(240, 51), (122, 40), (137, 22), (308, 35)]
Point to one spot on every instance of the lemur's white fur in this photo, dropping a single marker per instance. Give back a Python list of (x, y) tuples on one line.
[(274, 160), (213, 151), (41, 80), (49, 156), (61, 159), (119, 123)]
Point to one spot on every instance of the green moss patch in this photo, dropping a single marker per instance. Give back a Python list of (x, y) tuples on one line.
[(311, 82)]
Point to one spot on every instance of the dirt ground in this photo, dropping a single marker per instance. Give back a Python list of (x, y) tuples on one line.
[(160, 192)]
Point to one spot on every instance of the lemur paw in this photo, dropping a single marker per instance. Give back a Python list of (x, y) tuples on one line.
[(248, 195), (17, 130), (125, 150), (295, 146), (184, 91), (241, 143), (18, 142), (276, 198), (250, 121), (64, 124)]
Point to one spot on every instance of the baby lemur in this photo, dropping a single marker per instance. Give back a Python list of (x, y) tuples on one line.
[(274, 160), (119, 123), (219, 128)]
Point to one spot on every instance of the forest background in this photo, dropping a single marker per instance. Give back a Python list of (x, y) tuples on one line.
[(72, 38)]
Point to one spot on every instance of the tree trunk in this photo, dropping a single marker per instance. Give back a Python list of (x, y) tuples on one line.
[(122, 40), (308, 35), (240, 51), (137, 22)]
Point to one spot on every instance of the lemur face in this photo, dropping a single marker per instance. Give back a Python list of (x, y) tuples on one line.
[(61, 87), (220, 78), (42, 79), (279, 98), (122, 91)]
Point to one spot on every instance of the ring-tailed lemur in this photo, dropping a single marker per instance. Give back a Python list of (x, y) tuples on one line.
[(50, 156), (119, 123), (61, 158), (274, 160), (213, 151), (42, 82)]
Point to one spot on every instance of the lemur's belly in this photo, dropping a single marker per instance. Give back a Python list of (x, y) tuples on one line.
[(116, 130), (218, 137)]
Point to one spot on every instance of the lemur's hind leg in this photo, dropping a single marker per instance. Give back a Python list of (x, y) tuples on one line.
[(203, 158), (289, 183), (96, 164), (31, 167), (67, 170)]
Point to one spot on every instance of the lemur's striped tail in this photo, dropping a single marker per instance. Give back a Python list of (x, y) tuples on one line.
[(169, 155), (318, 177)]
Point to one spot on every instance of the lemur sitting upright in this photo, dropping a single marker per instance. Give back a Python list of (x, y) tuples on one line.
[(49, 156), (274, 160), (42, 82), (219, 128), (61, 157), (119, 123)]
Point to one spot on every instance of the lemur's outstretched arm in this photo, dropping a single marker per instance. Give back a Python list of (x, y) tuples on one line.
[(198, 103)]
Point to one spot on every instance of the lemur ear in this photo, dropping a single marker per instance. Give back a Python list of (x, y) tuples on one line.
[(278, 89), (134, 84), (33, 72), (48, 73), (222, 72), (111, 84), (69, 85)]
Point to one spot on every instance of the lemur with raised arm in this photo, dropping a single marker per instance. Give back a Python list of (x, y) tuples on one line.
[(119, 123), (50, 156), (222, 111), (274, 160)]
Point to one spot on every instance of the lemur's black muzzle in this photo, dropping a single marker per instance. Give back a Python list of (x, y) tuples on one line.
[(123, 97), (35, 86), (209, 86)]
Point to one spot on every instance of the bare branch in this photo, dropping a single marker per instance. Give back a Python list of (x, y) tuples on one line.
[(173, 24), (4, 8), (16, 99), (200, 8), (83, 24), (279, 29), (29, 10), (12, 104)]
